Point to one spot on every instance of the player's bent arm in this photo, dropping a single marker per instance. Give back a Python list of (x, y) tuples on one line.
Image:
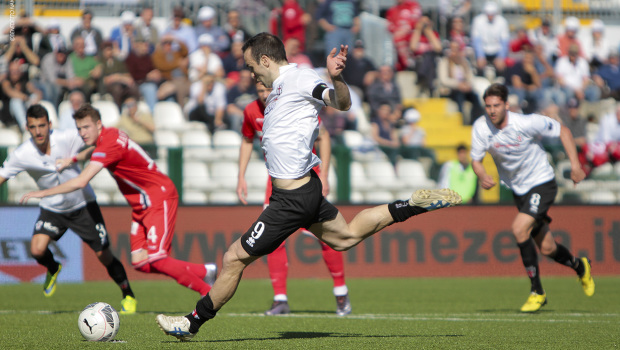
[(76, 183), (486, 180), (577, 173), (62, 164), (245, 152), (338, 97)]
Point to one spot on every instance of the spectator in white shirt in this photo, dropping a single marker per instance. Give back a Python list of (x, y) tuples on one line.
[(207, 103), (204, 61), (572, 74), (490, 35)]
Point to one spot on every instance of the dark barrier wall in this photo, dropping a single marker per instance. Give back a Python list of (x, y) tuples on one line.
[(462, 241)]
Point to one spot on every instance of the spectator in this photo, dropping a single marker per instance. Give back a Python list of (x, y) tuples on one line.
[(569, 38), (490, 35), (384, 90), (19, 93), (521, 42), (234, 61), (572, 74), (91, 35), (173, 67), (524, 81), (290, 21), (402, 19), (340, 21), (575, 123), (411, 134), (448, 11), (87, 69), (57, 76), (606, 146), (204, 60), (294, 54), (238, 97), (597, 49), (145, 29), (457, 33), (115, 78), (52, 39), (459, 175), (20, 53), (234, 29), (335, 121), (456, 80), (181, 31), (360, 72), (137, 123), (544, 38), (65, 119), (207, 25), (208, 103), (607, 77), (123, 35), (143, 72), (384, 133), (426, 46)]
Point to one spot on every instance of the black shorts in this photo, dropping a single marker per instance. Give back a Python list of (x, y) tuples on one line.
[(86, 223), (288, 211), (537, 201)]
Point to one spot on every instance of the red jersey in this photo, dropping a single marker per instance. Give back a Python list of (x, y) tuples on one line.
[(287, 21), (136, 174), (402, 19)]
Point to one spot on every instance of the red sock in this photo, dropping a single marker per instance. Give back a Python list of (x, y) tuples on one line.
[(335, 264), (278, 269), (183, 272)]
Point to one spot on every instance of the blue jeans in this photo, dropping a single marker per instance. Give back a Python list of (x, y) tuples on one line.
[(148, 90)]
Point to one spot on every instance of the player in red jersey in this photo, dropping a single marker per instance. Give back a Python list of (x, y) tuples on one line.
[(277, 261), (151, 195)]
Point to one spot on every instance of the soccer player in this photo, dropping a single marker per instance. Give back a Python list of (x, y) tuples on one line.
[(151, 195), (253, 117), (513, 140), (76, 210), (290, 129)]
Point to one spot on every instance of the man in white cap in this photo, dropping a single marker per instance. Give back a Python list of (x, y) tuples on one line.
[(123, 35), (207, 24), (571, 27), (52, 39), (597, 49), (490, 35), (411, 134), (204, 61)]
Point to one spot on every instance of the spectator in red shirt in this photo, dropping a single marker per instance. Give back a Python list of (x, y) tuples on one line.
[(290, 21), (402, 19)]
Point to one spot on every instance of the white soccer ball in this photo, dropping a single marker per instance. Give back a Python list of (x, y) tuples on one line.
[(99, 322)]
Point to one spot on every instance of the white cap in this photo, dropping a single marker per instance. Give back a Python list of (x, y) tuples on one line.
[(412, 115), (206, 13), (571, 23), (127, 17), (597, 25), (491, 8), (54, 24), (206, 39)]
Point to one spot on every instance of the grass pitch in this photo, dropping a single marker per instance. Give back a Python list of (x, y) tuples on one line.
[(450, 313)]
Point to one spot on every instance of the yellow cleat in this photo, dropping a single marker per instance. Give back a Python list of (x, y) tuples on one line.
[(534, 302), (49, 288), (586, 280), (128, 305)]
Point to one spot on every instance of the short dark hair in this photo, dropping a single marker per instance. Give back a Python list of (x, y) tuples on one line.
[(37, 111), (461, 147), (87, 111), (498, 90), (266, 44)]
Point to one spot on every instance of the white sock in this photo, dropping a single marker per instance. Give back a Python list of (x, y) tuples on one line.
[(280, 297), (341, 291)]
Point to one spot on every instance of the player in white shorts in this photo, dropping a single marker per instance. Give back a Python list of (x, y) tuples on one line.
[(78, 210), (513, 140), (290, 129)]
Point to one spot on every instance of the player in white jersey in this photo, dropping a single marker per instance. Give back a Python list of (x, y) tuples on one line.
[(41, 157), (513, 140), (290, 128)]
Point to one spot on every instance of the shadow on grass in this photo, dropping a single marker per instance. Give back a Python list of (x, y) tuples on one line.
[(317, 335)]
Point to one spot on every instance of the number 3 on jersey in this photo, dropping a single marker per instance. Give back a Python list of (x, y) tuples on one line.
[(152, 235)]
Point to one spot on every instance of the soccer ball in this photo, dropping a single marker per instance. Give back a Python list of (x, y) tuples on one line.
[(98, 322)]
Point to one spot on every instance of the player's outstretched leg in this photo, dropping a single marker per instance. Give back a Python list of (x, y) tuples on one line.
[(335, 264), (176, 326)]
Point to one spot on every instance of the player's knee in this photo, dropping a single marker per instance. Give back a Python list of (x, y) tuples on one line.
[(142, 267), (36, 252), (547, 249)]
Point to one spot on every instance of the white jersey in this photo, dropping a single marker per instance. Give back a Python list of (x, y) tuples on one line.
[(291, 123), (42, 168), (516, 149)]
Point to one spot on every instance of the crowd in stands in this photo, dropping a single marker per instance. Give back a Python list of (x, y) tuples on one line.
[(197, 61)]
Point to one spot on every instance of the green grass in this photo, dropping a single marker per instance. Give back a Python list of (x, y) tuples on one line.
[(450, 313)]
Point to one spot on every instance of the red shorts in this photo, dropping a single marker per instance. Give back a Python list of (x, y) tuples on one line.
[(152, 229)]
